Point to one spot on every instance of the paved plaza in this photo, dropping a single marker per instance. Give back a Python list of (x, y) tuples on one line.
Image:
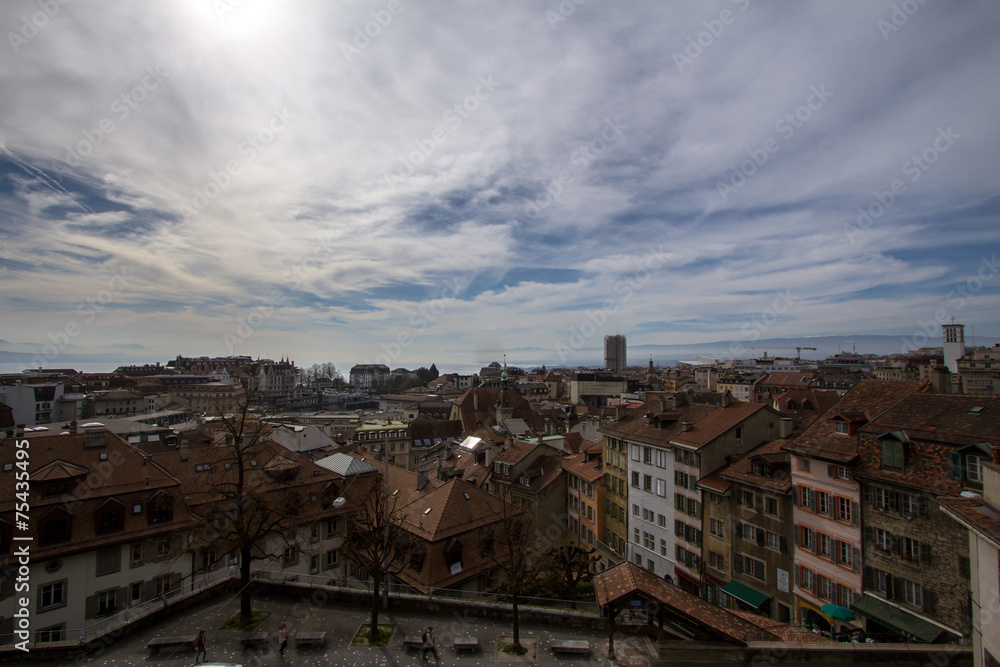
[(341, 624)]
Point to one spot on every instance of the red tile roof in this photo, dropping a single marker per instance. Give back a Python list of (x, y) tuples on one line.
[(870, 397), (587, 471), (624, 581), (975, 514), (742, 470)]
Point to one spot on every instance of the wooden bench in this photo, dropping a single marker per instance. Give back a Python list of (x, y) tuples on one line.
[(254, 639), (186, 643), (413, 641), (310, 639), (575, 646), (466, 644)]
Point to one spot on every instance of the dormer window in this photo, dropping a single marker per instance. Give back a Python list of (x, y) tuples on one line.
[(974, 468), (56, 527), (761, 468), (841, 427), (453, 555), (109, 518), (160, 509), (892, 454)]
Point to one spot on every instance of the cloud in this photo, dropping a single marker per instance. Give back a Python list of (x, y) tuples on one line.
[(356, 167)]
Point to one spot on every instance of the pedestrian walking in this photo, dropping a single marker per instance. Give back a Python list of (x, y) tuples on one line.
[(429, 644), (283, 638), (201, 655)]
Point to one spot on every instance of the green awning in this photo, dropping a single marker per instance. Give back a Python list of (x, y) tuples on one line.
[(744, 593), (905, 624)]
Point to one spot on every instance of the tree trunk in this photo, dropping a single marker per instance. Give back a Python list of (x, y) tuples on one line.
[(373, 633), (246, 595), (516, 647)]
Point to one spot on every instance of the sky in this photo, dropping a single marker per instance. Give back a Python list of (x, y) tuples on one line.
[(413, 182)]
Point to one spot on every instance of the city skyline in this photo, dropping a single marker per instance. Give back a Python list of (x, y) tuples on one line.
[(417, 182)]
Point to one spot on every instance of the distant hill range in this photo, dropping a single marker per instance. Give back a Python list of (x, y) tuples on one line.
[(668, 355), (50, 355)]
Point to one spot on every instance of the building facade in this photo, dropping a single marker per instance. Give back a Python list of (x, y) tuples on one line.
[(615, 357)]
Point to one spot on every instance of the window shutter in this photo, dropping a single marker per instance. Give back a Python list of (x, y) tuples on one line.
[(925, 509), (121, 598), (739, 529), (759, 502), (90, 607), (898, 594), (782, 544), (831, 471), (175, 582), (925, 553), (795, 495), (760, 537), (814, 544), (893, 543), (964, 566), (869, 534), (867, 493), (955, 461), (869, 578), (149, 590), (929, 600), (738, 563), (855, 558), (855, 513), (795, 534), (893, 501), (798, 575)]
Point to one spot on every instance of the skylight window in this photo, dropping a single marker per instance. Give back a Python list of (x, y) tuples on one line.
[(427, 511)]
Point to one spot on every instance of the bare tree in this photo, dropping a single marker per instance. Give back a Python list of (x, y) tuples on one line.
[(509, 540), (246, 509), (374, 539)]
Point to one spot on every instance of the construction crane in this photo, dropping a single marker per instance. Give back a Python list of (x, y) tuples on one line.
[(798, 349)]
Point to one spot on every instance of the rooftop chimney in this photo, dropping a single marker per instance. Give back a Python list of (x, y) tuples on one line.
[(73, 427), (421, 478), (785, 426), (726, 399), (184, 449), (685, 426)]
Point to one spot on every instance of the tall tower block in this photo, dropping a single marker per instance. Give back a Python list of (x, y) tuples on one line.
[(954, 345), (614, 353)]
